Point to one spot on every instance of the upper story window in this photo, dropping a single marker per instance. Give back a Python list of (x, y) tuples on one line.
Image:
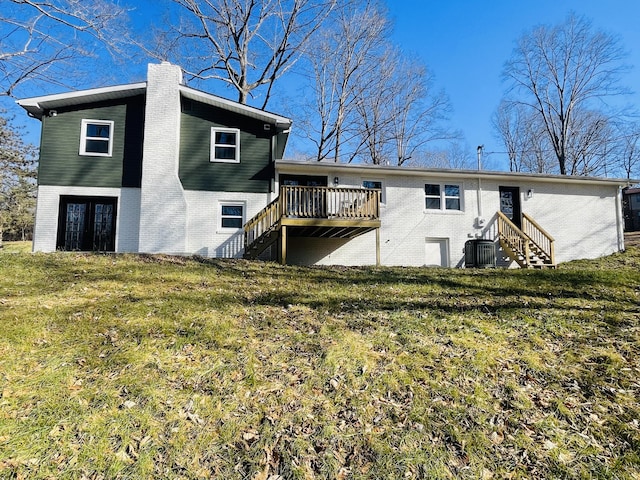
[(225, 145), (96, 138), (442, 197)]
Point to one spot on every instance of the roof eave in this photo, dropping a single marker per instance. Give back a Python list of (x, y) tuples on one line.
[(36, 106), (451, 173), (279, 121)]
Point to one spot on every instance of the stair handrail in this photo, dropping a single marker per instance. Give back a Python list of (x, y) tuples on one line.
[(262, 222), (513, 236), (539, 236)]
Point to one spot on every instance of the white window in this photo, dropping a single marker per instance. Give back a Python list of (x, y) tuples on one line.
[(231, 216), (442, 197), (225, 145), (96, 138)]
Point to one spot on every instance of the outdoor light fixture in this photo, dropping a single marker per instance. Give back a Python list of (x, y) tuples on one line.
[(530, 193), (336, 180)]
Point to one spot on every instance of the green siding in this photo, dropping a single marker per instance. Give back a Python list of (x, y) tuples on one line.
[(252, 174), (60, 162)]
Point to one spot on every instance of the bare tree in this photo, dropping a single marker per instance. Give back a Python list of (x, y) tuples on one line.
[(510, 127), (524, 138), (40, 39), (591, 144), (246, 43), (17, 181), (400, 112), (455, 155), (562, 72), (374, 112), (419, 110), (630, 154), (344, 56), (367, 101)]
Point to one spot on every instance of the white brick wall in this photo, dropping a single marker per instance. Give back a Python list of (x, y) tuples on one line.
[(203, 228), (127, 219), (202, 233), (163, 208), (581, 218)]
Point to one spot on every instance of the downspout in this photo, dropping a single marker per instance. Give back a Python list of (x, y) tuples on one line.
[(272, 180), (619, 219)]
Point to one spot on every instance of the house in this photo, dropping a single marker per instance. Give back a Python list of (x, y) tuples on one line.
[(429, 216), (159, 167), (153, 167)]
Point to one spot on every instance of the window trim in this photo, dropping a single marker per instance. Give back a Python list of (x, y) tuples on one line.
[(241, 204), (443, 197), (212, 154), (84, 137)]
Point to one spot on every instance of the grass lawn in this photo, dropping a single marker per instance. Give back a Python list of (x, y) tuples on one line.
[(159, 367), (15, 247)]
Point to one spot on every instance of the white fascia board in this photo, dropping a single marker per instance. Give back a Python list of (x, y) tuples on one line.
[(230, 105), (313, 168), (37, 105)]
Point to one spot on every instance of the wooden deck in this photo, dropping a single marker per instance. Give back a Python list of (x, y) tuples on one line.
[(321, 212)]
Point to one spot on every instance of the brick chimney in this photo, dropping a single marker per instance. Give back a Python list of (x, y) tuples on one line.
[(163, 207)]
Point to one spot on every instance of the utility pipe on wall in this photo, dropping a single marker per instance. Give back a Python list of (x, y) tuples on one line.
[(480, 222)]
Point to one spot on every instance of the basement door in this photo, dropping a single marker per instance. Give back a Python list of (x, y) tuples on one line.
[(436, 252), (510, 204), (87, 224)]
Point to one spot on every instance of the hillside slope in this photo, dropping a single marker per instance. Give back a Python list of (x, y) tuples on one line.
[(160, 367)]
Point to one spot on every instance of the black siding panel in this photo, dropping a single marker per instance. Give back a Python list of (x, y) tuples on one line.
[(133, 143)]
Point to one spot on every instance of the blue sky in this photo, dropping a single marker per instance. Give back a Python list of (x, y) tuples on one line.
[(466, 42)]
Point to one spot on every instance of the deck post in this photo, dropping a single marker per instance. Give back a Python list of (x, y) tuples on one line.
[(283, 245), (377, 247)]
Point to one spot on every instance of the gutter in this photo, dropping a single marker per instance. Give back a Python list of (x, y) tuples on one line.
[(289, 166)]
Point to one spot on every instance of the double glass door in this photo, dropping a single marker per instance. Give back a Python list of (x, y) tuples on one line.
[(87, 224)]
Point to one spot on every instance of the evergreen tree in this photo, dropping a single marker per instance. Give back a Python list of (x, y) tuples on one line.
[(17, 183)]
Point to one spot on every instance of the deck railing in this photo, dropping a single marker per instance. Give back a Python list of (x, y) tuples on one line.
[(314, 203), (329, 202)]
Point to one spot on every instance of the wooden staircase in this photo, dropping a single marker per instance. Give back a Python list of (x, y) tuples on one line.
[(529, 247), (262, 230)]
